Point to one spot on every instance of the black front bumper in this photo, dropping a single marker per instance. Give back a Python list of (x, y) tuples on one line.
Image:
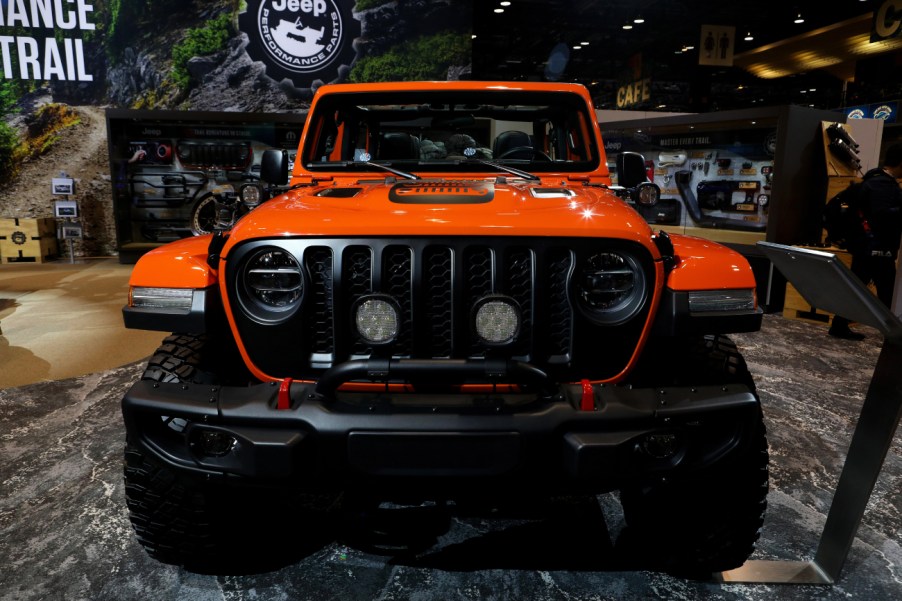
[(596, 437)]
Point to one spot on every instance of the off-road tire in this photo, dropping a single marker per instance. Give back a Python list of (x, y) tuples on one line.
[(170, 517), (197, 359), (204, 523), (709, 520)]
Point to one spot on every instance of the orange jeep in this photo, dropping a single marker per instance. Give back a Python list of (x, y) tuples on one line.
[(450, 304)]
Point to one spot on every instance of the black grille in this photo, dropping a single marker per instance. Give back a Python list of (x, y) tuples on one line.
[(436, 283)]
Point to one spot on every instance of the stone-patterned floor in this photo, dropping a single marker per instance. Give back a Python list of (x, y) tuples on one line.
[(64, 531)]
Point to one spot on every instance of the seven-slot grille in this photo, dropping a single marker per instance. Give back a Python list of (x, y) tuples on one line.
[(434, 283)]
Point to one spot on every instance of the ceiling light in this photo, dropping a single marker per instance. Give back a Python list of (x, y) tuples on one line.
[(505, 3), (577, 47), (584, 43), (627, 25), (639, 19), (749, 37), (499, 10), (799, 19)]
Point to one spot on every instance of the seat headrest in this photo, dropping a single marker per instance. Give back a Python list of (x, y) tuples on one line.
[(399, 145), (509, 140)]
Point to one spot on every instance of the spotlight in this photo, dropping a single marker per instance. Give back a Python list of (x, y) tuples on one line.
[(497, 320), (377, 319)]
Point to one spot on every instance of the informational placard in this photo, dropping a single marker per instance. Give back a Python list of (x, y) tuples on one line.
[(67, 209), (62, 186), (70, 230)]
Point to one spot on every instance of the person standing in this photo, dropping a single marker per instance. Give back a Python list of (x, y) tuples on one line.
[(874, 256)]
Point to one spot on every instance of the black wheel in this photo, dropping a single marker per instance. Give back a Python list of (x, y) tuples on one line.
[(705, 520), (203, 215)]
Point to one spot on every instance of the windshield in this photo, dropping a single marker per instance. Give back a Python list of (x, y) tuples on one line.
[(448, 131)]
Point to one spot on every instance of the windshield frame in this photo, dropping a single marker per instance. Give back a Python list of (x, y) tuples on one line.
[(346, 122)]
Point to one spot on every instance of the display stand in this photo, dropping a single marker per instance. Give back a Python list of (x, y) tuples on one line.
[(826, 282), (66, 211)]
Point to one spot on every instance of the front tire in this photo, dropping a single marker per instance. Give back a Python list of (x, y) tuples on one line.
[(202, 521), (706, 520)]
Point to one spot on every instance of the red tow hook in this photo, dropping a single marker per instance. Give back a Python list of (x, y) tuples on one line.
[(284, 398), (587, 402)]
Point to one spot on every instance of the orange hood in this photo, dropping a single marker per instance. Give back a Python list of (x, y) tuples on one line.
[(472, 207)]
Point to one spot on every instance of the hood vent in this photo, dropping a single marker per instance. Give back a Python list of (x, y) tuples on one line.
[(552, 192), (449, 192), (339, 192)]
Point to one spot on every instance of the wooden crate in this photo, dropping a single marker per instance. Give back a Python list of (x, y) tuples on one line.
[(28, 240)]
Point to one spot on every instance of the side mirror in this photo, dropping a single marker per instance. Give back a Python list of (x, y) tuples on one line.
[(274, 167), (630, 169), (632, 177)]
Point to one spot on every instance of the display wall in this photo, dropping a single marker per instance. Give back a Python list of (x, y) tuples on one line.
[(735, 177), (167, 165)]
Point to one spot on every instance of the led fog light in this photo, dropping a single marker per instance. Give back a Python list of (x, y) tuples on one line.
[(377, 320), (497, 320), (661, 445), (213, 443)]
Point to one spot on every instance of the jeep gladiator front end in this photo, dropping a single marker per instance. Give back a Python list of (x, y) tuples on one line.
[(452, 301)]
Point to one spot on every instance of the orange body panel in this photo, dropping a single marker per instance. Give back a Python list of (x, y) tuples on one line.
[(705, 265), (179, 264)]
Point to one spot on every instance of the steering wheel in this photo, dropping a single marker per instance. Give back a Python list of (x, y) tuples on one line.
[(534, 152)]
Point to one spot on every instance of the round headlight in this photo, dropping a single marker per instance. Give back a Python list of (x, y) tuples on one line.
[(648, 194), (497, 320), (251, 195), (610, 287), (377, 320), (273, 284)]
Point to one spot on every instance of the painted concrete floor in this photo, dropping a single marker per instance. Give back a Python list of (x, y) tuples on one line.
[(65, 534)]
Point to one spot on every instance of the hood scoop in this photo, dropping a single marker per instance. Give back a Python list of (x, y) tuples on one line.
[(552, 192), (339, 192), (448, 192)]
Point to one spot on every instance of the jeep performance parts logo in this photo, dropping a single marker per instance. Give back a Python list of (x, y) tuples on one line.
[(301, 40)]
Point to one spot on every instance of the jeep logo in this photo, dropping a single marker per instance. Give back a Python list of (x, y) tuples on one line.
[(301, 40)]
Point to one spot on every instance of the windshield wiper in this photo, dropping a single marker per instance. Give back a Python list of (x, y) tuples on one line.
[(397, 172), (511, 170)]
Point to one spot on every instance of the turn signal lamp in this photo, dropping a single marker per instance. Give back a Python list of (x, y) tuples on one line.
[(715, 301), (161, 298)]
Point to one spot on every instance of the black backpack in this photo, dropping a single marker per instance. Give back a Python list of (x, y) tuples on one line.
[(844, 219)]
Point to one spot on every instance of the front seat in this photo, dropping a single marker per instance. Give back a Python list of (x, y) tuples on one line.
[(399, 145), (508, 140)]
